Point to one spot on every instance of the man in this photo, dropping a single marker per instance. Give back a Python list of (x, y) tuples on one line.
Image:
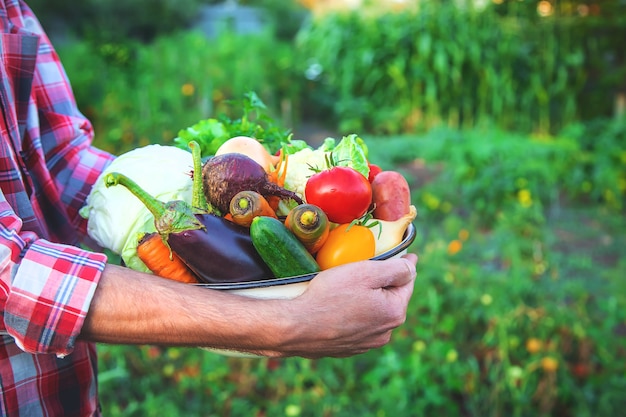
[(57, 299)]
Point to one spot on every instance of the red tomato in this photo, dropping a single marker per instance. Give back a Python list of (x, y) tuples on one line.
[(342, 192), (346, 243), (374, 170)]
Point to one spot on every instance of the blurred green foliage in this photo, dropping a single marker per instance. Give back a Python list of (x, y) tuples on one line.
[(396, 72), (173, 83), (113, 21), (384, 73), (585, 161), (597, 27)]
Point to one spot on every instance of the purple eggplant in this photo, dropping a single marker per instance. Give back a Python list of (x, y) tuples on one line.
[(220, 252), (215, 249)]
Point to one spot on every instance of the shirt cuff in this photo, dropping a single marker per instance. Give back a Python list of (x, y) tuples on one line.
[(50, 296)]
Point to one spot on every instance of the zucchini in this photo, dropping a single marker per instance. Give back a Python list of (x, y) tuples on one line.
[(283, 253)]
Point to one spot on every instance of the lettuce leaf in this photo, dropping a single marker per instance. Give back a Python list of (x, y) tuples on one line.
[(295, 146), (352, 151), (255, 122), (209, 133), (328, 145)]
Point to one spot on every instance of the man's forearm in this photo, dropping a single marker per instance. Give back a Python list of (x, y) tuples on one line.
[(135, 308), (344, 311)]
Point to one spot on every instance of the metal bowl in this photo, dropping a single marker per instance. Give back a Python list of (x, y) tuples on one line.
[(291, 287)]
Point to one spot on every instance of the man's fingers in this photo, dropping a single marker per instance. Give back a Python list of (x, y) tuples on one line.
[(395, 272), (412, 257)]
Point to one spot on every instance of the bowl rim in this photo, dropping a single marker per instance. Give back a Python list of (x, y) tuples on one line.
[(409, 237)]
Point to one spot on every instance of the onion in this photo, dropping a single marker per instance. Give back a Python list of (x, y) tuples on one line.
[(250, 147), (225, 175)]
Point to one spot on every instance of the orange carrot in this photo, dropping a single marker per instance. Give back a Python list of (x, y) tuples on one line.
[(273, 201), (246, 205), (161, 261), (277, 176), (310, 225)]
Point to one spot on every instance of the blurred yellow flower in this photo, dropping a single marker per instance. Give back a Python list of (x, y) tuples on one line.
[(549, 364), (166, 135), (431, 201), (187, 89), (463, 235), (419, 346), (515, 373), (173, 353), (452, 355), (293, 410), (128, 136), (533, 345), (486, 299), (454, 247), (540, 268), (544, 8), (525, 198), (169, 369), (217, 96)]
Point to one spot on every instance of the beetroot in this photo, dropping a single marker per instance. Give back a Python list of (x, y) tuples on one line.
[(225, 175)]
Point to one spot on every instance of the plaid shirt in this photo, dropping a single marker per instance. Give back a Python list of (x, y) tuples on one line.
[(47, 167)]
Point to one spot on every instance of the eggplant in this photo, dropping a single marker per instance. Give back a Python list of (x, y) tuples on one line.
[(220, 252), (215, 249)]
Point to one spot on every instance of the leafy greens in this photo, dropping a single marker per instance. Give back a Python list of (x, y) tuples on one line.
[(255, 122)]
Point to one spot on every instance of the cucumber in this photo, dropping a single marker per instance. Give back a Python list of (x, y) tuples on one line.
[(283, 253)]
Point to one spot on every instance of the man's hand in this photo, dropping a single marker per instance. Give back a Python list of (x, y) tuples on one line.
[(350, 309)]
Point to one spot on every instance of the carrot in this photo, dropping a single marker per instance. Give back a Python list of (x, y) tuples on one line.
[(246, 205), (278, 176), (161, 261), (273, 201), (310, 225)]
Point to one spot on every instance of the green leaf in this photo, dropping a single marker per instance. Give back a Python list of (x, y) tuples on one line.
[(352, 151), (208, 133), (255, 122)]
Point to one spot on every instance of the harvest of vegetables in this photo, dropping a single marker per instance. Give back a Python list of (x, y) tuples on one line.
[(245, 214)]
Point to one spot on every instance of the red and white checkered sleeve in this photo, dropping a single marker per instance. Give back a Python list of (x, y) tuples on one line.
[(45, 288)]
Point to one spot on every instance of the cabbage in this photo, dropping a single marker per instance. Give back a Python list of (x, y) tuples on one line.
[(116, 218)]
